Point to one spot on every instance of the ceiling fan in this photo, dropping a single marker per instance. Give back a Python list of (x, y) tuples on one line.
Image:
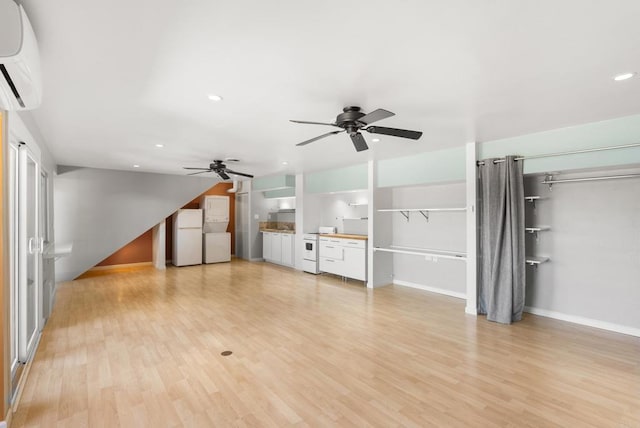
[(219, 168), (352, 120)]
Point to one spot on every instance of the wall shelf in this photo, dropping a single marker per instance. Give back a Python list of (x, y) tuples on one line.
[(427, 253), (361, 204), (424, 211), (535, 261), (355, 218), (531, 198)]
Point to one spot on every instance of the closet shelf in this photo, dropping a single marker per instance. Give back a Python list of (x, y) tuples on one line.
[(424, 252), (532, 198), (535, 261), (361, 204), (536, 229), (355, 218), (424, 211), (420, 209)]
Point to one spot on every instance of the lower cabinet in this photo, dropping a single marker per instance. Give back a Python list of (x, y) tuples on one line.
[(344, 257), (278, 248)]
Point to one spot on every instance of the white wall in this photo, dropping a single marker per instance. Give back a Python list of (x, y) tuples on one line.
[(594, 246), (335, 208), (443, 231), (101, 210)]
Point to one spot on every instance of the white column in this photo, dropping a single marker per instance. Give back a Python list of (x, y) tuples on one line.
[(380, 232), (472, 228), (299, 242), (159, 239)]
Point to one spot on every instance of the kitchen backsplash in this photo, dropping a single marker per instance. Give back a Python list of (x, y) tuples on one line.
[(279, 225)]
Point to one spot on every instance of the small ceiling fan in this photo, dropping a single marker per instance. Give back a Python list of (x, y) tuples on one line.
[(352, 120), (219, 168)]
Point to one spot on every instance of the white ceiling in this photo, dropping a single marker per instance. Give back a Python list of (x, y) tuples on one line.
[(122, 76)]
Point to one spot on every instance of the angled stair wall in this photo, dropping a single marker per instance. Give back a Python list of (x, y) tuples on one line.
[(101, 210)]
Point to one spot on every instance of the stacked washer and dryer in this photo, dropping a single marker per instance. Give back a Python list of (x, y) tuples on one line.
[(216, 241)]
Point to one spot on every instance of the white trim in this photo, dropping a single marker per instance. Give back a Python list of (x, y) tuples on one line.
[(471, 172), (604, 325), (121, 266), (437, 290)]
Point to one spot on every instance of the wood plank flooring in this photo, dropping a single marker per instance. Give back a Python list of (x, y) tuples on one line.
[(142, 348)]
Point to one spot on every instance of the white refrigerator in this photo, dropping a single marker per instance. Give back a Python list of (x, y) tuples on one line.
[(187, 237)]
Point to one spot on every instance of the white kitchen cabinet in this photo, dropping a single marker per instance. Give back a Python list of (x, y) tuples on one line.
[(278, 248), (287, 249), (266, 245), (344, 257)]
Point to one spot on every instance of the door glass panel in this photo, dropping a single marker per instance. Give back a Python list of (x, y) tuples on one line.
[(13, 254), (32, 245)]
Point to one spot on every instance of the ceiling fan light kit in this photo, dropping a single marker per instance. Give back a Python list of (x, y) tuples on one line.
[(352, 120)]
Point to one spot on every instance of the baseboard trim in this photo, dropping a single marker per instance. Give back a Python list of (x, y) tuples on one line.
[(23, 378), (589, 322), (431, 289), (122, 266)]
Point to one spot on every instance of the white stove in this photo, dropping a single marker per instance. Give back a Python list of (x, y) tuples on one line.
[(310, 253)]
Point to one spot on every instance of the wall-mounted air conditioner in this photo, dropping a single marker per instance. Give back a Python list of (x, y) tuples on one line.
[(20, 73)]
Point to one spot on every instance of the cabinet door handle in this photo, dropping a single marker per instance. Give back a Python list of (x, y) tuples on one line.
[(329, 260), (327, 246)]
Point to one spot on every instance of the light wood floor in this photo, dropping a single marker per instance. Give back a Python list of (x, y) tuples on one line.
[(143, 348)]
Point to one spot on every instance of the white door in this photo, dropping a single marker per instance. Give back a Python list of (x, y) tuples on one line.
[(266, 245), (188, 248), (29, 251), (242, 226), (189, 218), (276, 247), (287, 249), (13, 256)]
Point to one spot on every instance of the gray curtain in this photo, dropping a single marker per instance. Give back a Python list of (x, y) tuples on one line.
[(502, 266)]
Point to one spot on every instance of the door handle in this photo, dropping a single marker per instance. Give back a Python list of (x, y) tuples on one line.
[(30, 246), (41, 249)]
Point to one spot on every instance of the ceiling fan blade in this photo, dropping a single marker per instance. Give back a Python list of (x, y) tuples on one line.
[(238, 173), (404, 133), (223, 175), (312, 123), (375, 116), (199, 172), (319, 137), (201, 169), (358, 142)]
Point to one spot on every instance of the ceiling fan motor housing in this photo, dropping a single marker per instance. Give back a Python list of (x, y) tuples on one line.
[(349, 119)]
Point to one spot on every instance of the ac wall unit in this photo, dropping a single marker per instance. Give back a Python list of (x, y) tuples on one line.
[(20, 72)]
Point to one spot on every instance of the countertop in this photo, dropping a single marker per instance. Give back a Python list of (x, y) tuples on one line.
[(344, 235), (278, 231)]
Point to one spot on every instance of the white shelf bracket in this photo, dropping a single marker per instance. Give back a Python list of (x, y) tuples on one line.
[(425, 214), (405, 214), (549, 177)]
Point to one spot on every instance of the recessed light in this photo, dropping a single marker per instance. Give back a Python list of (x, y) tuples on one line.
[(375, 140), (285, 163), (214, 97), (136, 166), (624, 76), (160, 145)]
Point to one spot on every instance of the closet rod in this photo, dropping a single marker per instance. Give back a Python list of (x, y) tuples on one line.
[(574, 152), (609, 177)]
